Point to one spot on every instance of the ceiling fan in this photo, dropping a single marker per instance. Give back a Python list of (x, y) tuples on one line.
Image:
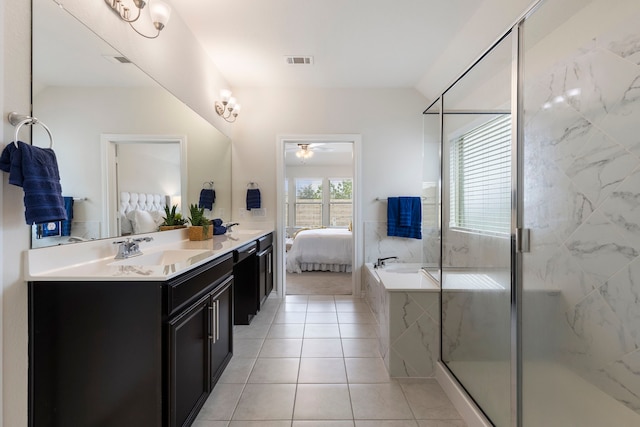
[(305, 150)]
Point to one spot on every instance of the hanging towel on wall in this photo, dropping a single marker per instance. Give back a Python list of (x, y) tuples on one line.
[(404, 217), (253, 198), (207, 198), (35, 169), (65, 226)]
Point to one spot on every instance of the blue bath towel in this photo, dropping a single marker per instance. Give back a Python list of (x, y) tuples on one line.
[(401, 211), (35, 169), (65, 226), (253, 198), (207, 198)]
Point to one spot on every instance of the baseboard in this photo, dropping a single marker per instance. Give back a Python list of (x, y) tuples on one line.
[(468, 410)]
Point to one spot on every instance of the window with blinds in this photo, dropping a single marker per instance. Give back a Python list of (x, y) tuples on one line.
[(481, 178)]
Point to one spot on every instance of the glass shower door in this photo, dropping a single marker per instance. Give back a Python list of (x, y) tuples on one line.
[(476, 232), (581, 278)]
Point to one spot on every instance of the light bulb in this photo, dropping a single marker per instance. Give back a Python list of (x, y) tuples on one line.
[(160, 13), (225, 94)]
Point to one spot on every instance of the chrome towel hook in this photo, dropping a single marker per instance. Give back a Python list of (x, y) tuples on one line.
[(19, 120)]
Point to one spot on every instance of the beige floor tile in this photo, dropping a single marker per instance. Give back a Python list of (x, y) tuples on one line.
[(321, 347), (221, 402), (324, 370), (293, 307), (356, 330), (429, 402), (260, 423), (275, 371), (296, 298), (321, 331), (366, 370), (265, 317), (208, 423), (353, 306), (322, 402), (317, 298), (322, 423), (266, 402), (386, 423), (357, 317), (327, 317), (361, 347), (286, 330), (290, 317), (247, 348), (379, 402), (281, 347), (237, 371), (321, 307), (255, 330), (441, 423)]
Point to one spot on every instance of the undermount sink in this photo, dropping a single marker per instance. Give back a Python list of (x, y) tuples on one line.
[(244, 231), (167, 257)]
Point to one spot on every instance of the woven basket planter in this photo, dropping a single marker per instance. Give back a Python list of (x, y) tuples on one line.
[(196, 232)]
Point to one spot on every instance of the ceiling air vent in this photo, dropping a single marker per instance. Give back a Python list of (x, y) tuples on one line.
[(299, 60), (117, 59)]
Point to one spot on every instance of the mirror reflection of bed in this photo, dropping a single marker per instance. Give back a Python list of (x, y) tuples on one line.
[(319, 262), (319, 214)]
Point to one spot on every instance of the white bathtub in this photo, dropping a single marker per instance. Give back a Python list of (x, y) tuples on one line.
[(405, 277)]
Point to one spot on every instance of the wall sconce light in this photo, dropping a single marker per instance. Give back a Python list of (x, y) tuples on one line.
[(227, 107), (159, 11), (304, 152)]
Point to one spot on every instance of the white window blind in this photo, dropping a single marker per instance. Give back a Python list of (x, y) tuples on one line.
[(481, 178)]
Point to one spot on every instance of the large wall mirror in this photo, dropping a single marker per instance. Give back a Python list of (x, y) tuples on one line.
[(102, 110)]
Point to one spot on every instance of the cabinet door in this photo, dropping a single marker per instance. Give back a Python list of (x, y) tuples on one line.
[(222, 342), (262, 277), (189, 337)]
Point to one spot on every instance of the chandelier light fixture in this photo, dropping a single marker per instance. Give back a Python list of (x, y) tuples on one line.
[(304, 151), (159, 11), (227, 108)]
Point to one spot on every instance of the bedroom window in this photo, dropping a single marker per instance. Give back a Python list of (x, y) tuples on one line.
[(481, 179), (308, 204), (340, 202)]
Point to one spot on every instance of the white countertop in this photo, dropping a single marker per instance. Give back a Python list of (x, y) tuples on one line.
[(95, 260)]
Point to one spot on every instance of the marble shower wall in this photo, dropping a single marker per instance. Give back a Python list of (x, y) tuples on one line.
[(582, 204)]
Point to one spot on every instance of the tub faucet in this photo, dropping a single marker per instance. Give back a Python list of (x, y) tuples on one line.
[(380, 262)]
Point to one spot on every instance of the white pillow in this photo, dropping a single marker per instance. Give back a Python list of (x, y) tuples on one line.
[(158, 217), (142, 222), (125, 225)]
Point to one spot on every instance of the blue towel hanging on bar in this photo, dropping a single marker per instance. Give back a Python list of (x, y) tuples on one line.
[(404, 217)]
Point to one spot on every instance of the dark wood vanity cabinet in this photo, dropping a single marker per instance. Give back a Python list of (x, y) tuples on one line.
[(265, 267), (128, 353), (245, 272)]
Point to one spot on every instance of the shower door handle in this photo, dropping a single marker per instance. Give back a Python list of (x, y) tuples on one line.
[(523, 240)]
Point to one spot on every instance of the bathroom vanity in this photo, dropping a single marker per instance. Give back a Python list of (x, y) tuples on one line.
[(134, 342)]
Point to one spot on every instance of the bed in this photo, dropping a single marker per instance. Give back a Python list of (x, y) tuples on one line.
[(140, 212), (323, 249)]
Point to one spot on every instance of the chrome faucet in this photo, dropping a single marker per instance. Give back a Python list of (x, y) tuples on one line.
[(231, 224), (380, 262), (130, 248)]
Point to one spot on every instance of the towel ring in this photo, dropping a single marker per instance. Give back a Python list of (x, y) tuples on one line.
[(208, 183), (252, 185), (19, 120)]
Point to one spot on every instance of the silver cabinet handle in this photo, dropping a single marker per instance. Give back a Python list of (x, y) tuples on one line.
[(212, 308), (217, 320)]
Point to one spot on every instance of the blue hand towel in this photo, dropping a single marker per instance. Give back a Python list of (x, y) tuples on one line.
[(398, 210), (216, 222), (219, 229), (35, 169), (253, 198), (66, 224), (207, 198)]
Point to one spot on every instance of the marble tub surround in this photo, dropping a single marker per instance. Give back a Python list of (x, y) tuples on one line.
[(378, 245), (407, 325), (582, 186), (94, 260)]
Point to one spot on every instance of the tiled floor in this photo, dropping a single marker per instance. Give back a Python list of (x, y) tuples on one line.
[(313, 361)]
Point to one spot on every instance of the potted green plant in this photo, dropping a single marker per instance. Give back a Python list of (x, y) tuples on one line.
[(200, 225), (172, 219)]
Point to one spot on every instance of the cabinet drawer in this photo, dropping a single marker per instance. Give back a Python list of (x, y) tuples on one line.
[(265, 241), (193, 284), (244, 252)]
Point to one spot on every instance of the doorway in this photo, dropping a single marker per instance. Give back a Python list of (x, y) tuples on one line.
[(318, 195)]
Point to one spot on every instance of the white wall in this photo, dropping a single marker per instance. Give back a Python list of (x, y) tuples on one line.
[(389, 120)]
